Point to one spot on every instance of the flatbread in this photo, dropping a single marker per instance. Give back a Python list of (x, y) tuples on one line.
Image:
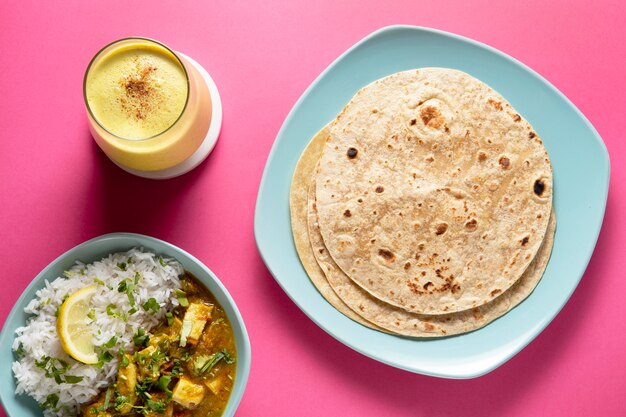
[(400, 321), (298, 207), (433, 194)]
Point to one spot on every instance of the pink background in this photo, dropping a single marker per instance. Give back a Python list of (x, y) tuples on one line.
[(57, 189)]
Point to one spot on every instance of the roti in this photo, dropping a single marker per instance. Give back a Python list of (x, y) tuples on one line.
[(433, 194), (350, 299), (400, 321)]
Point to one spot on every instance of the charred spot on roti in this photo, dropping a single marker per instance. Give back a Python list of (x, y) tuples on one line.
[(482, 156), (407, 266), (441, 228), (496, 104), (471, 225), (531, 135), (412, 122), (504, 162), (347, 213), (495, 292), (539, 187), (379, 189), (387, 255), (431, 116), (352, 153), (516, 117), (524, 240)]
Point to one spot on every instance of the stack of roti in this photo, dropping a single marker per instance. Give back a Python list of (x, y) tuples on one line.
[(425, 208)]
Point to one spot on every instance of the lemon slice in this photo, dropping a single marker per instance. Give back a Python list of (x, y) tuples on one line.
[(74, 327)]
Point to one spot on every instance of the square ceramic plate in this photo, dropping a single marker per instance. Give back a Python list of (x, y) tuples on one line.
[(581, 177)]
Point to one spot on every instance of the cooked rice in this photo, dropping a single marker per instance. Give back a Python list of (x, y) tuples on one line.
[(158, 278)]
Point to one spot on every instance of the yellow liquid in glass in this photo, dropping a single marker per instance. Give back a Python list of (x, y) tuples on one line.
[(137, 92)]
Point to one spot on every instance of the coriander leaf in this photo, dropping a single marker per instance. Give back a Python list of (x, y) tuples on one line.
[(215, 359), (51, 401), (124, 362), (182, 298), (170, 318), (177, 369), (141, 338), (120, 401), (158, 406), (105, 356), (164, 383), (122, 266), (162, 262), (72, 379), (110, 343), (111, 310), (151, 304)]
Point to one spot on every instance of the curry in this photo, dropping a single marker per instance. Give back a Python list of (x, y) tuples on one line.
[(185, 368)]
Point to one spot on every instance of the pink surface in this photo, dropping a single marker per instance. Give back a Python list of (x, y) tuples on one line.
[(57, 189)]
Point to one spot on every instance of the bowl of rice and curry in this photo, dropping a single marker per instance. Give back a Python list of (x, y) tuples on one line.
[(124, 325)]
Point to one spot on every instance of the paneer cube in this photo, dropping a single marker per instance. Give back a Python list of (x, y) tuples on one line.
[(126, 382), (187, 394), (194, 321), (215, 385)]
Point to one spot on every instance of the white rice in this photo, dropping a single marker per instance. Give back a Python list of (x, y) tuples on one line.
[(39, 338)]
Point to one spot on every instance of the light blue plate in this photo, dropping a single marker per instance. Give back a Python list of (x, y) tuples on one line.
[(96, 249), (581, 178)]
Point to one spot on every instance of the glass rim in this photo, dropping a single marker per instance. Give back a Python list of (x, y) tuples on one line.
[(99, 53)]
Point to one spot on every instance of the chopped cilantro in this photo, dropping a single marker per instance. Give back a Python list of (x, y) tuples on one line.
[(204, 364), (157, 406), (72, 379), (151, 304), (111, 310), (182, 298), (141, 338), (110, 343), (120, 401), (51, 402), (127, 287), (122, 266), (56, 369), (163, 384), (170, 318), (177, 369), (124, 362)]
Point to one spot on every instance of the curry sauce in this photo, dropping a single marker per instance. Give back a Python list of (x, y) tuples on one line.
[(185, 368)]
